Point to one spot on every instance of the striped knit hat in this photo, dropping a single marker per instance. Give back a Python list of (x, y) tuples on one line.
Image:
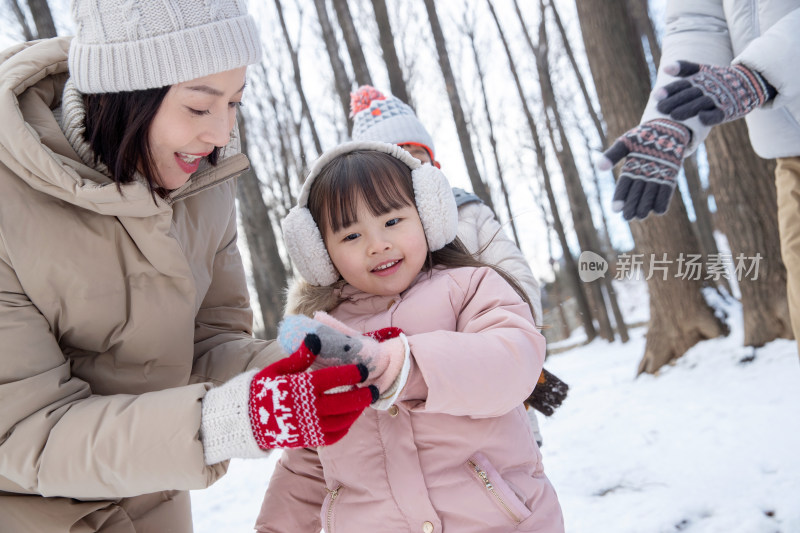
[(377, 117), (127, 45)]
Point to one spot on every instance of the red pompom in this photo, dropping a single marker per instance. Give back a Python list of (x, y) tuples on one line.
[(363, 97)]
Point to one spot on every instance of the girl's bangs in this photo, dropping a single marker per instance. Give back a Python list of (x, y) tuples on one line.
[(382, 181)]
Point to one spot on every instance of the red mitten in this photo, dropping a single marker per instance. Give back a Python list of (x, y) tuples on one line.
[(289, 407), (282, 406)]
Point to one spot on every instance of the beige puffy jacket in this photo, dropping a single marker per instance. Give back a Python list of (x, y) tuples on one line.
[(479, 230), (117, 312)]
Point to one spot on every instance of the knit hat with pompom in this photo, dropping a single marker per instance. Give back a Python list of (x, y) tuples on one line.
[(377, 117)]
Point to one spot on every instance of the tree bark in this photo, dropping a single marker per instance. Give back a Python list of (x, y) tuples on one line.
[(679, 315), (269, 274), (492, 139), (340, 77), (571, 267), (397, 83), (579, 205), (350, 35), (23, 22), (596, 120), (42, 18), (744, 189), (478, 186), (298, 80)]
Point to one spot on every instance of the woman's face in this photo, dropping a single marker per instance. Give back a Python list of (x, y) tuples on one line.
[(194, 117)]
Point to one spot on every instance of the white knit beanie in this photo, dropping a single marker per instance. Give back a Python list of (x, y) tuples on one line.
[(131, 45), (377, 117)]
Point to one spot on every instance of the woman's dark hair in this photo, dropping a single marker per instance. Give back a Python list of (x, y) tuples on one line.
[(117, 127), (384, 183)]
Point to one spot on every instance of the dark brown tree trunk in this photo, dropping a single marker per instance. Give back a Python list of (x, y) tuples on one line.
[(598, 123), (23, 22), (679, 315), (340, 77), (269, 274), (640, 14), (478, 186), (298, 80), (571, 267), (492, 139), (396, 81), (744, 189), (42, 18), (350, 35)]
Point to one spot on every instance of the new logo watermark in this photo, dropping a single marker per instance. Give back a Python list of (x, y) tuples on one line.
[(591, 266), (686, 266)]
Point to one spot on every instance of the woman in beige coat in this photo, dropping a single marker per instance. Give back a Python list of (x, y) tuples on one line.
[(122, 293)]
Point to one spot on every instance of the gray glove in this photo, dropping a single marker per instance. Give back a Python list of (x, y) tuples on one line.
[(713, 94), (654, 154)]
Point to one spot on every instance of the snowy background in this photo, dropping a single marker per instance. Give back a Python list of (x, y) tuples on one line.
[(711, 444)]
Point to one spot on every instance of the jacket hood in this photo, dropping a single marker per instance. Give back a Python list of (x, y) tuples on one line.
[(34, 148)]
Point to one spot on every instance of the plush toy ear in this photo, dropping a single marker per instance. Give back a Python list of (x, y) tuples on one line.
[(306, 247), (436, 206)]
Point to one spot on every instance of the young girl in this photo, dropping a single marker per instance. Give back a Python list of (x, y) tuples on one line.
[(449, 446)]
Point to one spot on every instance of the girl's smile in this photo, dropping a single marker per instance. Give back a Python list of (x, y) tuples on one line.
[(379, 254)]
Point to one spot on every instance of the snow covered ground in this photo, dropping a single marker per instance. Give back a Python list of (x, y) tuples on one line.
[(711, 444)]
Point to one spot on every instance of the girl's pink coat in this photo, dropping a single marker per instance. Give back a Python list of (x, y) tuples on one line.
[(476, 356)]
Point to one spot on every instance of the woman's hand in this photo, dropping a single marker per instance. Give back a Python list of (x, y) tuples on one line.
[(282, 406)]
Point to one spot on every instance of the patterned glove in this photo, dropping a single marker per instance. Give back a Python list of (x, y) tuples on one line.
[(713, 94), (383, 352), (282, 406), (654, 153)]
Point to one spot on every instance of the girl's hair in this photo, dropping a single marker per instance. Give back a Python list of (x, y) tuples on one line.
[(384, 183), (117, 127)]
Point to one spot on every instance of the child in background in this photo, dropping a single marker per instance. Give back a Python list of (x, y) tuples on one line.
[(385, 118), (452, 348)]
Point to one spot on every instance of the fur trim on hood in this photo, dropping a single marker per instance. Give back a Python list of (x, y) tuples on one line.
[(303, 298)]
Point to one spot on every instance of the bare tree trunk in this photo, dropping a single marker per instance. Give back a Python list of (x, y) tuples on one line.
[(396, 81), (340, 77), (556, 296), (478, 186), (744, 189), (679, 315), (572, 268), (470, 32), (703, 224), (579, 205), (598, 123), (605, 236), (644, 25), (298, 81), (350, 34), (23, 22), (42, 18), (269, 274)]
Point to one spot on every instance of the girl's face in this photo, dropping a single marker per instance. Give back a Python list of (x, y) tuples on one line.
[(194, 117), (379, 254)]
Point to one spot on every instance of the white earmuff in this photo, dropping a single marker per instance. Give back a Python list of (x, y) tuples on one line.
[(433, 195)]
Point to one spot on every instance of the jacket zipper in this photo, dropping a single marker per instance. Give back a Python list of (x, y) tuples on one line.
[(488, 484), (334, 494)]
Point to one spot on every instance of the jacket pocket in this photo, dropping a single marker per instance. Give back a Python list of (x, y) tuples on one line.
[(497, 489), (328, 506)]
